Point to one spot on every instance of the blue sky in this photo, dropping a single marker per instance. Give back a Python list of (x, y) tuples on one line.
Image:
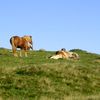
[(53, 24)]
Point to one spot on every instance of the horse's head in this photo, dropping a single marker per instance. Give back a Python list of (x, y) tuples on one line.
[(29, 40), (74, 55)]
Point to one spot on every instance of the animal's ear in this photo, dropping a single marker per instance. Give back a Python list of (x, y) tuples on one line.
[(30, 36)]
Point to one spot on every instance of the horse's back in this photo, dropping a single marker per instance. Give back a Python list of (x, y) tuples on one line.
[(15, 40)]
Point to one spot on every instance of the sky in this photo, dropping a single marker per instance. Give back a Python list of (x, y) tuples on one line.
[(53, 24)]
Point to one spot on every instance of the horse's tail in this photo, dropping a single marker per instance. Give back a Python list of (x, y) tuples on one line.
[(12, 43)]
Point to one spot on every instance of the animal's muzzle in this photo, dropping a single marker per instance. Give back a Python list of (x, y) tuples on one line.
[(30, 45)]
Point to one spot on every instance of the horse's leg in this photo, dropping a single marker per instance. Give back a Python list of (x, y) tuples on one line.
[(26, 53), (21, 53), (14, 51)]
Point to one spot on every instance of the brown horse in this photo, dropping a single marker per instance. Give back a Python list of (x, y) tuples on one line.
[(24, 43)]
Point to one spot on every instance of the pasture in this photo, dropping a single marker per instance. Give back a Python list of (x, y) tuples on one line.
[(38, 78)]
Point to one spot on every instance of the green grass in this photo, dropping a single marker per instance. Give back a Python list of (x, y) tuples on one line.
[(39, 78)]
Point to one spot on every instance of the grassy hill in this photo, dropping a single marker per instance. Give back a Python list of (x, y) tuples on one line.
[(39, 78)]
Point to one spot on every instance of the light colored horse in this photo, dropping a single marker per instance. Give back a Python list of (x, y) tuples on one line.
[(24, 43), (65, 55)]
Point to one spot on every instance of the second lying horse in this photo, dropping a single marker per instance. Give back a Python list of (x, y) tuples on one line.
[(24, 43)]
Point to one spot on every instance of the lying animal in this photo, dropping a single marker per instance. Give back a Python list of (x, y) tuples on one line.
[(65, 55), (24, 43)]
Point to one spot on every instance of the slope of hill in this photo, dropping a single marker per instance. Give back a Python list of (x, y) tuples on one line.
[(39, 78)]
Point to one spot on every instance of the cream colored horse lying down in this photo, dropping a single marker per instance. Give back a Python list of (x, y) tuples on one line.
[(65, 55)]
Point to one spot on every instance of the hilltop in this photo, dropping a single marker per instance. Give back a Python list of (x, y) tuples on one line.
[(39, 78)]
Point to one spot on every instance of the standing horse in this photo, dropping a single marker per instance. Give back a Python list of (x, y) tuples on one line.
[(24, 43)]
